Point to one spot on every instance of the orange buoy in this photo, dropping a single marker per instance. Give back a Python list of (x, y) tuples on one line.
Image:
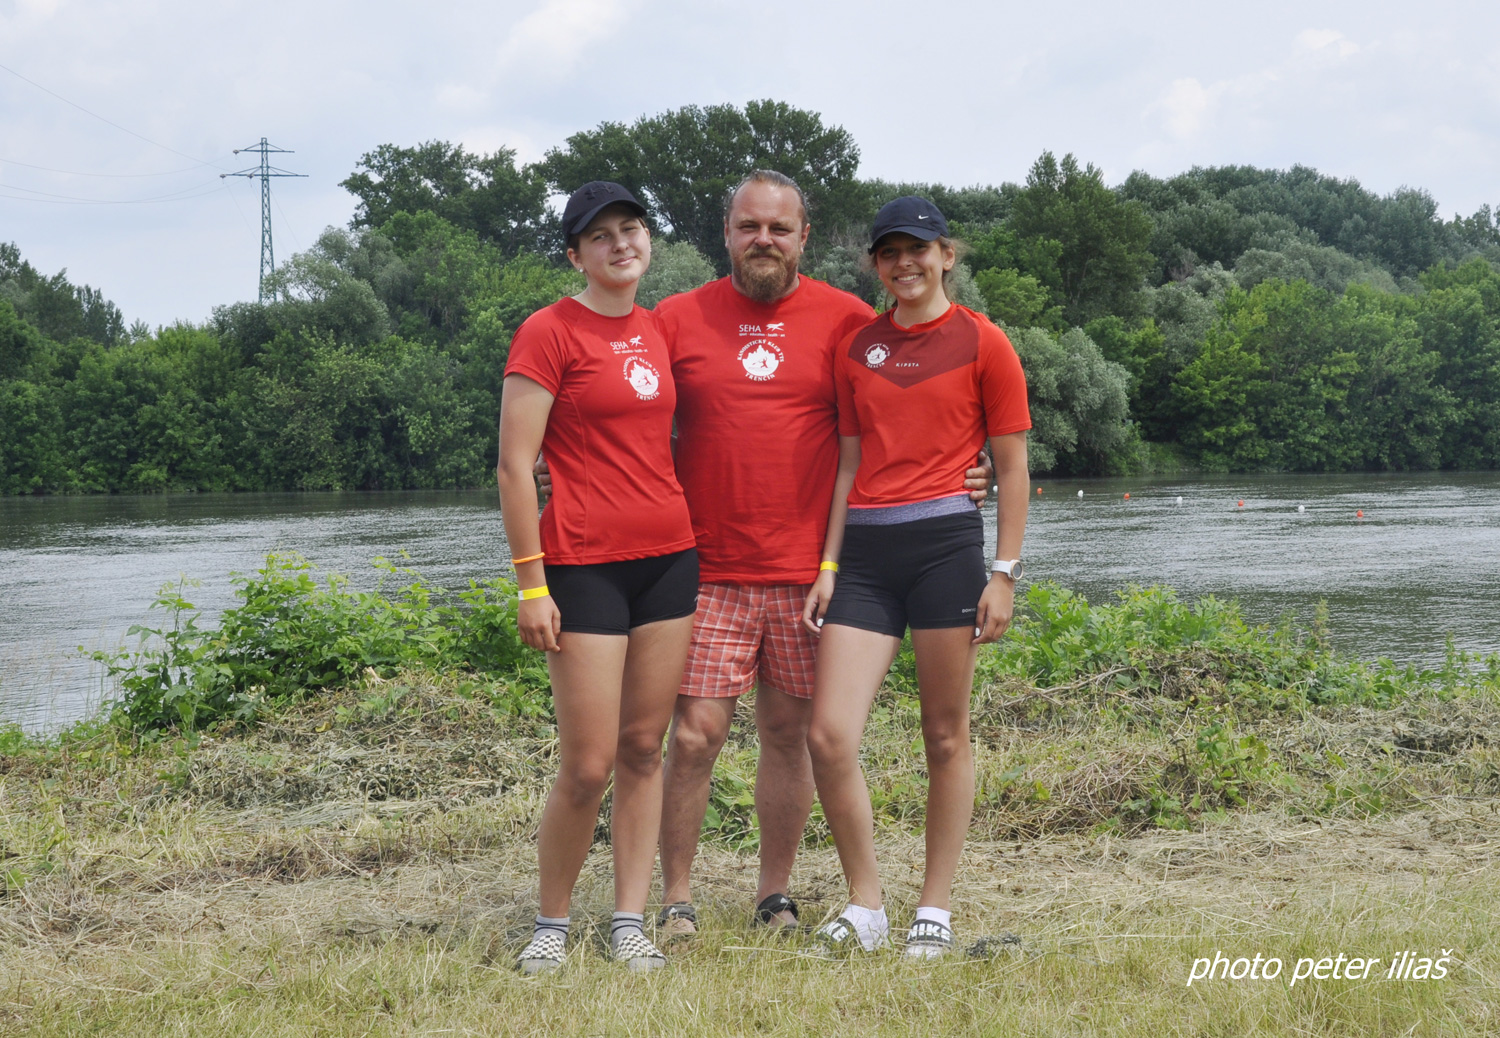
[(1242, 502), (1359, 514), (1127, 497), (1038, 490)]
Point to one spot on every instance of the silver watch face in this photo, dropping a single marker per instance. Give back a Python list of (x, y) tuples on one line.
[(1015, 570)]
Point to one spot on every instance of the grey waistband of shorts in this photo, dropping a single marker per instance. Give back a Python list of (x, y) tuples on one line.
[(955, 504)]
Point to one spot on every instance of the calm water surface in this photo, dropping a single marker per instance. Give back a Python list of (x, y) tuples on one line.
[(1422, 563)]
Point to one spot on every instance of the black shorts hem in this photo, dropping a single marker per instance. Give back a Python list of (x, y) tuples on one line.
[(944, 625), (568, 628), (862, 625), (670, 616)]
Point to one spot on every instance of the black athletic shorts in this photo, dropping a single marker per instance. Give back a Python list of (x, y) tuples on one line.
[(927, 573), (616, 597)]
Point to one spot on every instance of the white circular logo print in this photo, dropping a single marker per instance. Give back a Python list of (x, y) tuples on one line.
[(761, 358), (876, 354), (643, 378)]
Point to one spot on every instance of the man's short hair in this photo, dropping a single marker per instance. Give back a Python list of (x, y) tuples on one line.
[(765, 176)]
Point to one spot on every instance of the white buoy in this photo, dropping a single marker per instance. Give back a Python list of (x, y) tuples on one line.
[(1179, 499), (1301, 508), (1080, 493)]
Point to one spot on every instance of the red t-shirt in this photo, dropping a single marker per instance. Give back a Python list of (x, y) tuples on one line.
[(608, 441), (757, 424), (923, 400)]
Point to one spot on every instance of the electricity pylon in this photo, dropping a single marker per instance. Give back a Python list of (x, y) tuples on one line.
[(265, 171)]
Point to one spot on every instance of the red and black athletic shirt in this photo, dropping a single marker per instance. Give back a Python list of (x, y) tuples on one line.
[(923, 400), (608, 441), (757, 424)]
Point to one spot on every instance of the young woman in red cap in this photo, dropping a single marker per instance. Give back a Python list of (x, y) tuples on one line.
[(608, 576), (919, 390)]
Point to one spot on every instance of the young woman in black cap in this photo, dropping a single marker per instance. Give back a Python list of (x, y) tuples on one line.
[(919, 390), (608, 576)]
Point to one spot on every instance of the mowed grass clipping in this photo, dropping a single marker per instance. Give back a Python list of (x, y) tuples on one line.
[(1158, 784)]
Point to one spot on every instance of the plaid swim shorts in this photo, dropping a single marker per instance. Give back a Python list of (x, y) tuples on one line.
[(747, 632)]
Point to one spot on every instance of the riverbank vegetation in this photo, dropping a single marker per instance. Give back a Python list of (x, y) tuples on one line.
[(320, 819), (1225, 319)]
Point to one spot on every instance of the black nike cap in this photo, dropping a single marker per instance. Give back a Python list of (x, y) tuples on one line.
[(909, 214)]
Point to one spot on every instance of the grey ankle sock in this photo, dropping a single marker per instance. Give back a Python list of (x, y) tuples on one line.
[(546, 925), (624, 923)]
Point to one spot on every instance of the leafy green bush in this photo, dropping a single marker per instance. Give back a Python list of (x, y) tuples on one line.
[(291, 634)]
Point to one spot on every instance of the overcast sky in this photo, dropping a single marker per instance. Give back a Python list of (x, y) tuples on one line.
[(112, 144)]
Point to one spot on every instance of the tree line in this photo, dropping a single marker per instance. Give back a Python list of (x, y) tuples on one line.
[(1224, 319)]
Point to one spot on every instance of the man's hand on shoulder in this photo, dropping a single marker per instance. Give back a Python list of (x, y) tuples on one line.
[(981, 477), (543, 476)]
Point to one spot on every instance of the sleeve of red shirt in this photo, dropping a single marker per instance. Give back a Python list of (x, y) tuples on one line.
[(843, 389), (539, 351), (1002, 383)]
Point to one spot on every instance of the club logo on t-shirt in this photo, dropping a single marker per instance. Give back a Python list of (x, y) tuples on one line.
[(876, 354), (643, 378), (761, 358)]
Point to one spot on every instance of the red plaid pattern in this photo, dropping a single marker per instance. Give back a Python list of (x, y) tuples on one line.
[(745, 632)]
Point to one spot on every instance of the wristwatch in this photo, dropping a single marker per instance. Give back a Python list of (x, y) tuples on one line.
[(1011, 568)]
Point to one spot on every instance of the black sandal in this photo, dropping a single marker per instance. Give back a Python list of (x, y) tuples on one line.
[(771, 907)]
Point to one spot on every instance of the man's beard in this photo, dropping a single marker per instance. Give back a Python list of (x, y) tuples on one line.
[(762, 282)]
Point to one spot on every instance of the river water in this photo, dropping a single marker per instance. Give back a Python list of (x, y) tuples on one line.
[(1423, 562)]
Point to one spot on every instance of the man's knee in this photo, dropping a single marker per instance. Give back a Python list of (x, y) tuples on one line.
[(781, 721), (699, 730)]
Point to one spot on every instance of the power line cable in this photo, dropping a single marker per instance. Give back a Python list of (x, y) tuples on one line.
[(178, 196), (116, 176), (110, 122)]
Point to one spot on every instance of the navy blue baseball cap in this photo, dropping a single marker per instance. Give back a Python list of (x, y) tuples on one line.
[(911, 215), (587, 202)]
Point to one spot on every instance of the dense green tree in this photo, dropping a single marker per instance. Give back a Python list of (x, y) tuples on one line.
[(487, 194), (1079, 404), (682, 164), (57, 308), (1104, 239)]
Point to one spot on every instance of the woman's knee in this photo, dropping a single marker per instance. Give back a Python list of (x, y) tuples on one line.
[(585, 778), (946, 744), (830, 745), (639, 752)]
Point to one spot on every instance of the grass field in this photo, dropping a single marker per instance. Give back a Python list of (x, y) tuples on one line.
[(363, 863)]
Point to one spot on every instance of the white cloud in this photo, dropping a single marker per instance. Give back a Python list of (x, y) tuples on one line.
[(551, 41), (1327, 41), (1186, 105)]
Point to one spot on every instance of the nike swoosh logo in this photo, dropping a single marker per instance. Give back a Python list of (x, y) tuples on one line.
[(921, 218)]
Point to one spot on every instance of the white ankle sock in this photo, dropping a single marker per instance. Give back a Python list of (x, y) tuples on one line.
[(936, 915), (870, 925), (623, 923), (558, 925)]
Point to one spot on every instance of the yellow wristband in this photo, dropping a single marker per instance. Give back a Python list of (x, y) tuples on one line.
[(529, 558), (828, 565), (528, 593)]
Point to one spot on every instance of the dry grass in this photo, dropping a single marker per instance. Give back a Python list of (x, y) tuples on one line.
[(358, 871)]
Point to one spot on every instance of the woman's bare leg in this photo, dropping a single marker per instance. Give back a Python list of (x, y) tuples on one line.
[(586, 680), (851, 665), (945, 678), (653, 674)]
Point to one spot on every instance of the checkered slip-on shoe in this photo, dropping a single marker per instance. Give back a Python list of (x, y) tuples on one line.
[(543, 955), (638, 954)]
